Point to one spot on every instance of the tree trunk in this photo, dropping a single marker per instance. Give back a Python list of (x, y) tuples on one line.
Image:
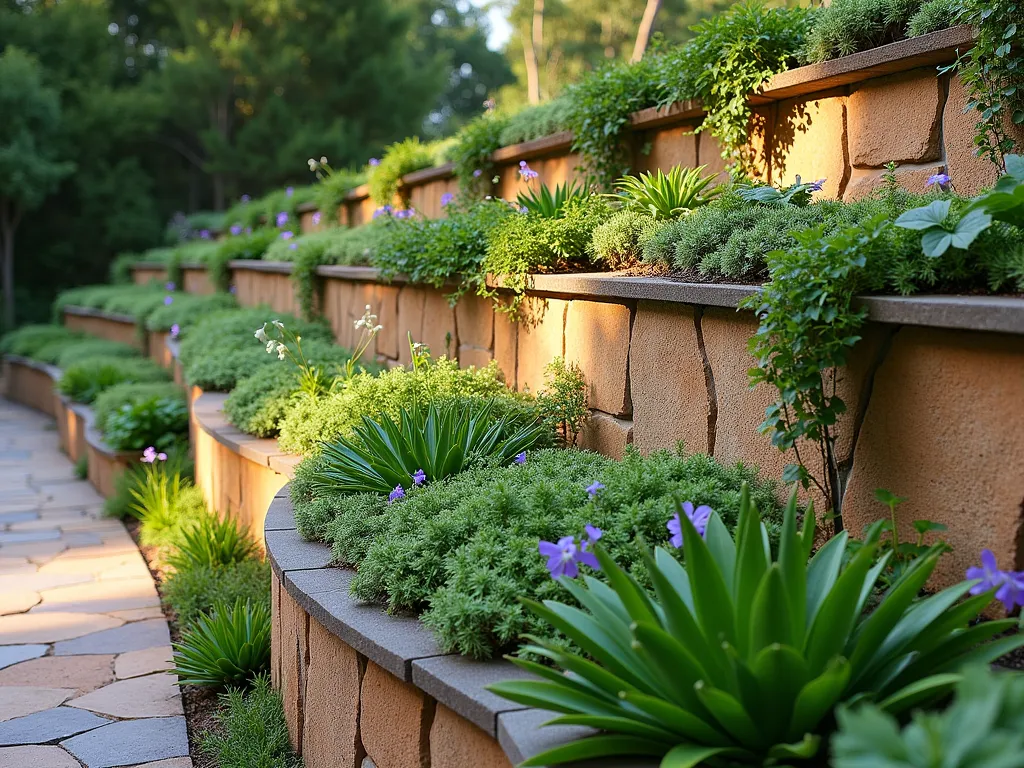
[(532, 44), (643, 35), (9, 217)]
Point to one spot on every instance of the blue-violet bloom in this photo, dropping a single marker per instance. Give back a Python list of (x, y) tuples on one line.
[(1009, 585), (594, 487), (699, 517), (395, 495), (477, 173), (419, 477), (587, 556), (287, 235), (204, 234), (942, 179), (446, 198), (175, 330), (374, 162), (561, 557), (170, 286), (316, 219), (289, 191), (236, 229), (521, 458), (282, 219), (168, 300)]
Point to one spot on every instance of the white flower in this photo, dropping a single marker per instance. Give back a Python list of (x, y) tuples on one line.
[(323, 160), (312, 164), (281, 349), (376, 328), (278, 324), (261, 335), (368, 320), (270, 345)]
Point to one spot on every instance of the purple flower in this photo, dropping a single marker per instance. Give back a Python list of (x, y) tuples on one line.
[(204, 234), (232, 290), (175, 330), (699, 517), (289, 191), (942, 179), (168, 300), (586, 555), (818, 185), (316, 219), (149, 456), (594, 487), (246, 198), (446, 198), (374, 162), (170, 286), (521, 458), (287, 235), (523, 209), (395, 495), (248, 230), (1009, 585), (477, 173), (384, 210), (406, 213), (561, 557), (526, 171), (293, 247), (282, 219), (419, 477), (236, 229)]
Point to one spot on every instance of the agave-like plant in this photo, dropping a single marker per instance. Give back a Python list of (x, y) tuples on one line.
[(666, 196), (227, 647), (384, 455), (741, 656), (211, 541), (548, 204)]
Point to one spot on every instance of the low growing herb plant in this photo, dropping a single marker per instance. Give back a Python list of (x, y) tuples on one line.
[(742, 655)]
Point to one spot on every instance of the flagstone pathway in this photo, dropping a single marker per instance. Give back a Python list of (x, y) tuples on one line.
[(84, 647)]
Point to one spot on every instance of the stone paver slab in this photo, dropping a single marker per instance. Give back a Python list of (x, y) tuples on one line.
[(82, 673), (24, 628), (15, 654), (48, 725), (135, 663), (101, 597), (29, 537), (10, 518), (35, 756), (37, 582), (149, 696), (34, 550), (127, 571), (91, 565), (17, 601), (138, 614), (18, 701), (130, 637), (131, 741), (174, 762)]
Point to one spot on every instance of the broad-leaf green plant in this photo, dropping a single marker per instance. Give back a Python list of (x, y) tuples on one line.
[(742, 654), (423, 444), (227, 647), (669, 195)]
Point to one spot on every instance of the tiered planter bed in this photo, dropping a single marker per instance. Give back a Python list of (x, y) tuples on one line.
[(144, 274), (31, 383), (105, 325)]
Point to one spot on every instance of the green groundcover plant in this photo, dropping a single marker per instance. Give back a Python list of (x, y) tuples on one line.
[(250, 730), (741, 655), (259, 402), (160, 420), (29, 340), (187, 308), (982, 728), (463, 550), (87, 347), (208, 541), (193, 591), (85, 380)]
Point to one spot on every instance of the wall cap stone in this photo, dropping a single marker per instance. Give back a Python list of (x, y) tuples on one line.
[(50, 370), (115, 317)]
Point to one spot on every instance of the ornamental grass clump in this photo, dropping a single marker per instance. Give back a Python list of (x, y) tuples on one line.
[(227, 647), (741, 655)]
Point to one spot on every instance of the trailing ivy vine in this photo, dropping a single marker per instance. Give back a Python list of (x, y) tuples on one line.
[(993, 74)]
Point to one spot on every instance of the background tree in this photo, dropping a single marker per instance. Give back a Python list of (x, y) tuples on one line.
[(29, 166)]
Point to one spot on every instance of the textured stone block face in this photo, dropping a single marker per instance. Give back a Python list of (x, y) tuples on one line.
[(597, 338), (541, 339), (941, 430), (387, 315), (473, 356), (864, 181), (438, 330), (895, 119), (667, 381), (475, 318), (506, 346), (457, 743), (275, 631), (294, 658), (394, 720), (668, 148), (331, 732), (606, 435), (809, 141), (411, 302)]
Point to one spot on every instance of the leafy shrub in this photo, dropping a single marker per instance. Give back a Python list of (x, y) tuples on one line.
[(536, 121), (309, 423), (160, 421), (399, 159), (731, 55), (28, 340), (743, 655), (83, 381), (250, 731), (227, 647), (259, 402), (527, 243), (85, 348), (932, 16), (563, 401), (386, 455), (848, 26), (667, 196), (194, 591), (464, 550), (330, 193), (127, 394), (443, 251), (620, 241), (991, 702), (209, 540), (252, 213), (470, 153), (186, 309)]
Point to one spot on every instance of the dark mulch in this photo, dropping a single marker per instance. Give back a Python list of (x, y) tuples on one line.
[(200, 704)]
